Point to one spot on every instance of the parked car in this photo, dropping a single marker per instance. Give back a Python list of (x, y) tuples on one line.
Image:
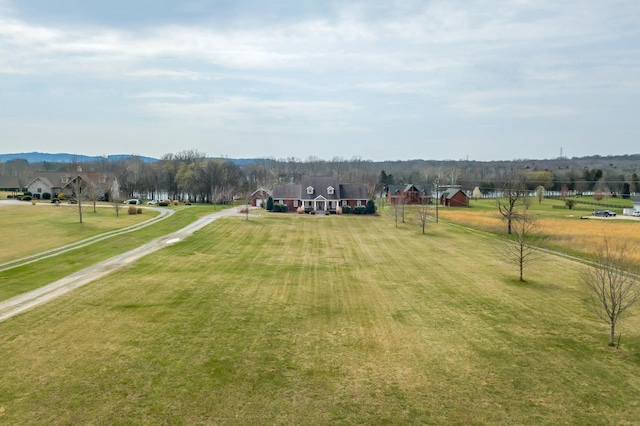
[(133, 201), (604, 213), (636, 213), (152, 202)]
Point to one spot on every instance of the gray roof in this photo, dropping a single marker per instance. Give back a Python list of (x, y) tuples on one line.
[(286, 191), (320, 185), (450, 192), (353, 191), (393, 189), (9, 182)]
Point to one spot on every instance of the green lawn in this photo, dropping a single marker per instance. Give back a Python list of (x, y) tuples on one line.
[(18, 280), (292, 319), (33, 229)]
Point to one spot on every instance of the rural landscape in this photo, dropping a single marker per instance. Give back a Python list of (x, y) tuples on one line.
[(416, 313), (342, 212)]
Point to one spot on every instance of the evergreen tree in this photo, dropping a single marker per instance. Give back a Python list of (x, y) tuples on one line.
[(370, 207)]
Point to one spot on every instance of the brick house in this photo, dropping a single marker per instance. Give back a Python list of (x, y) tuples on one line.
[(315, 193), (454, 197), (259, 197), (409, 194)]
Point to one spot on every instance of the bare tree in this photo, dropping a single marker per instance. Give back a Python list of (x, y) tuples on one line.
[(540, 193), (476, 193), (80, 189), (435, 175), (612, 281), (423, 214), (397, 205), (513, 194), (522, 245)]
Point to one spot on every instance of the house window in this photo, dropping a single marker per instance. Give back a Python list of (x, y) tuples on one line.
[(309, 190), (40, 190), (330, 190), (359, 203), (295, 203), (344, 203)]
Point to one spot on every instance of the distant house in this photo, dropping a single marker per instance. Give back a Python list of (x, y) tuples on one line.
[(10, 184), (454, 197), (409, 194), (315, 193), (636, 204), (56, 183), (259, 197)]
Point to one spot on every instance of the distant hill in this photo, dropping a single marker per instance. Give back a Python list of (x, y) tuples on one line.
[(40, 157)]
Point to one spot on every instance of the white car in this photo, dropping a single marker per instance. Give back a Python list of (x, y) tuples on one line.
[(636, 213), (152, 202), (133, 201)]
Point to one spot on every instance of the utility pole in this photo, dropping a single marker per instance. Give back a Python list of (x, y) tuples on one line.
[(437, 182)]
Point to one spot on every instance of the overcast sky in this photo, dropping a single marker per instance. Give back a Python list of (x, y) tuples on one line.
[(379, 80)]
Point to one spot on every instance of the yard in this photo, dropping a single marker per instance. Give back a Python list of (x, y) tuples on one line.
[(292, 319), (32, 229)]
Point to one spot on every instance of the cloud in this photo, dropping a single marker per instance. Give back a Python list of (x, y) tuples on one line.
[(163, 95)]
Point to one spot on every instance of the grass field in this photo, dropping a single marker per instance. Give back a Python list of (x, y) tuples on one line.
[(290, 319), (565, 229), (24, 278), (32, 229)]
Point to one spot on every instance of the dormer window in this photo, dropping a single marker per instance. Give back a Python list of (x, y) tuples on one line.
[(310, 190), (330, 190)]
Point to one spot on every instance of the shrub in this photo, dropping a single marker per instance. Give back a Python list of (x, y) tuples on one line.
[(284, 208), (132, 209), (163, 204), (338, 210), (26, 198), (570, 203), (300, 210), (46, 196), (9, 197), (27, 193), (62, 196), (168, 201), (176, 202), (55, 200), (370, 207), (270, 204), (34, 202), (275, 208), (139, 210), (346, 209), (360, 210)]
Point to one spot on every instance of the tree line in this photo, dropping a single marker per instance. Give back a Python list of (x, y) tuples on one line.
[(191, 173)]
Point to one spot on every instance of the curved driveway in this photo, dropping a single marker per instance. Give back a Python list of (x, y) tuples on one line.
[(23, 302), (164, 213)]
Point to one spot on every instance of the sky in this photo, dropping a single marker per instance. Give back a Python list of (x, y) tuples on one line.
[(378, 80)]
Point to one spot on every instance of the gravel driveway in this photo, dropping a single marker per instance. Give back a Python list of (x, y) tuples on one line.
[(23, 302)]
